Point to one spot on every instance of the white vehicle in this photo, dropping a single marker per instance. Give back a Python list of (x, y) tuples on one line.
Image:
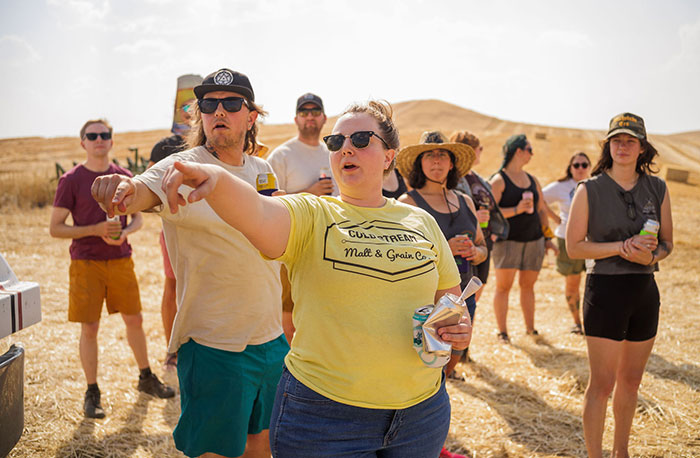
[(20, 307)]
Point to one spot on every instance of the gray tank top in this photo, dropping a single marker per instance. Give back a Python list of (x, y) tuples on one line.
[(609, 217)]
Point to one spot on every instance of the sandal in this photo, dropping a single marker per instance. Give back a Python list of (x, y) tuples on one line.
[(503, 337), (533, 333), (577, 330)]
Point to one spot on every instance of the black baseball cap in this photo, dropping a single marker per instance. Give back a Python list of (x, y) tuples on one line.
[(309, 98), (226, 80), (627, 123)]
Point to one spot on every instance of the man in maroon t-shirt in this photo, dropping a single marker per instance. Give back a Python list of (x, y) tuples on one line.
[(101, 267)]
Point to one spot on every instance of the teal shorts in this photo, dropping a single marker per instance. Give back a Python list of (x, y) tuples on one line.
[(224, 396)]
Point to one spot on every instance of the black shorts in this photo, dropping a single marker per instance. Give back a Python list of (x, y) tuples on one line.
[(621, 307)]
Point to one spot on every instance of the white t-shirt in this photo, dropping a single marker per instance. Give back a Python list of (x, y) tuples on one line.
[(561, 192), (228, 296), (298, 165)]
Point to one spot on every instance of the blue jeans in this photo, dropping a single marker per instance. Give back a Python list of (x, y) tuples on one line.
[(305, 424)]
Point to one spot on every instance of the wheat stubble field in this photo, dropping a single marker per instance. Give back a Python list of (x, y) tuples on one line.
[(518, 400)]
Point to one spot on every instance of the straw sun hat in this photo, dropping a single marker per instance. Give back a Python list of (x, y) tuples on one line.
[(464, 154)]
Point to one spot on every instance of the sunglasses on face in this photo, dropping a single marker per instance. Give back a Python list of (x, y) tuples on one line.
[(528, 149), (103, 135), (359, 139), (304, 112), (629, 200), (583, 165), (230, 104)]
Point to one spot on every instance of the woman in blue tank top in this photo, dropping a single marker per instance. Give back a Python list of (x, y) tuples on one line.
[(433, 167), (609, 224)]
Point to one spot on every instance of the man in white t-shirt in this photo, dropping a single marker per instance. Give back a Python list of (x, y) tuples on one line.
[(302, 164), (228, 327)]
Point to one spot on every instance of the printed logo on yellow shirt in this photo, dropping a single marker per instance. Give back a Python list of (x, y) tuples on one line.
[(384, 250)]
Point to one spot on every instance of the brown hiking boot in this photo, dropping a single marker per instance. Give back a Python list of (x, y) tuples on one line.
[(92, 406), (151, 385)]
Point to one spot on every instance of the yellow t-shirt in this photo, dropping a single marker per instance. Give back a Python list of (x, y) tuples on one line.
[(357, 275)]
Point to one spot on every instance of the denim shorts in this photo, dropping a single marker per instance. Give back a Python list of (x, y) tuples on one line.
[(305, 424), (225, 396)]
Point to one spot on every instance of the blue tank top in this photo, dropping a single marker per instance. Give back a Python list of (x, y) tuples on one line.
[(462, 221)]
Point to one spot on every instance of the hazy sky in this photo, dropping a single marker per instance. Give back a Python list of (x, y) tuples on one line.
[(560, 63)]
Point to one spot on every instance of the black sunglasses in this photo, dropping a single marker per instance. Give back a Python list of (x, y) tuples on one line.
[(528, 149), (359, 139), (583, 165), (92, 136), (230, 104), (629, 200)]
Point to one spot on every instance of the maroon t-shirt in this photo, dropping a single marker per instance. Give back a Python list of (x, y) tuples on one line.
[(73, 193)]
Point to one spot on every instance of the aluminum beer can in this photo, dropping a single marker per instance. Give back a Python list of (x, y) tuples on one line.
[(266, 183), (115, 219), (651, 227), (430, 359)]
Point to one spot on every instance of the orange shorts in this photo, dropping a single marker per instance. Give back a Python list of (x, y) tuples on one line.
[(91, 282)]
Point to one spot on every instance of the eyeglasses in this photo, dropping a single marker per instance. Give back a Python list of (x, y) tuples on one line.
[(359, 139), (230, 104), (304, 112), (92, 136), (432, 155), (631, 209), (583, 165)]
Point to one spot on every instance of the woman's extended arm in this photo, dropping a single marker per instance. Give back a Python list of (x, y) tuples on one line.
[(265, 221)]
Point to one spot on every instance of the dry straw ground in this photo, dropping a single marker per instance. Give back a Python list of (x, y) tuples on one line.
[(515, 401)]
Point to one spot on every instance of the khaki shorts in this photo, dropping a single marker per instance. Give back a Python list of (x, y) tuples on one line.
[(91, 282), (510, 254), (565, 265)]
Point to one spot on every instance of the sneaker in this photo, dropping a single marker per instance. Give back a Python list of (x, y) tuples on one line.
[(503, 337), (151, 385), (92, 406), (444, 453)]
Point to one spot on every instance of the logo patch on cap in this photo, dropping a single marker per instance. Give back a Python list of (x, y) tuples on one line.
[(223, 78)]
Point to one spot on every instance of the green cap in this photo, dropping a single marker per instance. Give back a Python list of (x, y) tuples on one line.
[(627, 123)]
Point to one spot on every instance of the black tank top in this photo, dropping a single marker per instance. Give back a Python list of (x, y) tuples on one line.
[(399, 191), (524, 227), (463, 221)]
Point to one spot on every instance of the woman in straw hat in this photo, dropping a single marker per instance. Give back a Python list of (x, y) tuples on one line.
[(519, 197), (609, 224), (432, 168), (359, 264)]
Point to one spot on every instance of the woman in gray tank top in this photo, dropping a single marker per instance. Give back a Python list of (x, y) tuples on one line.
[(608, 224), (433, 167)]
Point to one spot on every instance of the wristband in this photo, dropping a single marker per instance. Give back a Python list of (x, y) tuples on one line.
[(653, 259)]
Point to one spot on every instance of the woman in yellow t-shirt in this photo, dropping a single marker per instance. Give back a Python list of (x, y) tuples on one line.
[(359, 265)]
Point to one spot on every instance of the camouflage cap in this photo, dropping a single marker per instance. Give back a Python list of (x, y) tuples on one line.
[(627, 123)]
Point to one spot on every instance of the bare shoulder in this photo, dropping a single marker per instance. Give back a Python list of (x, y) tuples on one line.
[(406, 199)]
